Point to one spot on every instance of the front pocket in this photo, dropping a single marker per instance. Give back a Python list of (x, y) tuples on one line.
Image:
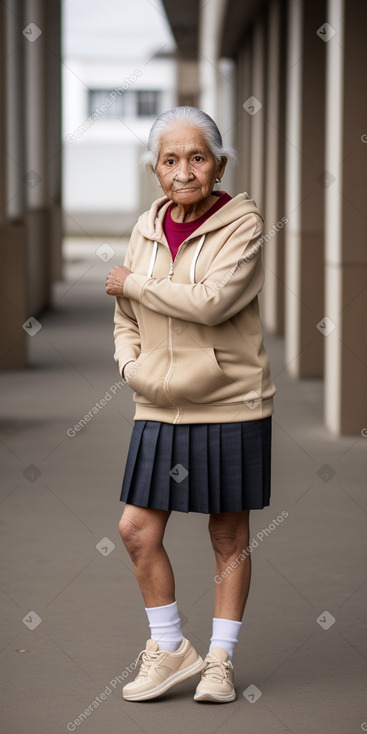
[(196, 376), (147, 375)]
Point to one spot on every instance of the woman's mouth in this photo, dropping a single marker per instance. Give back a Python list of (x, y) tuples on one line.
[(184, 189)]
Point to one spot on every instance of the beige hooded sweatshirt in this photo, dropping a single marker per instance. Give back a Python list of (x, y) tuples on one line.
[(192, 325)]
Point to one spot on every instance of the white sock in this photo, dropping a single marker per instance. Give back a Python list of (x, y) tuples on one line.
[(225, 634), (165, 626)]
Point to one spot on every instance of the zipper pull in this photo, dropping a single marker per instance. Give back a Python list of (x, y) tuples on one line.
[(170, 272)]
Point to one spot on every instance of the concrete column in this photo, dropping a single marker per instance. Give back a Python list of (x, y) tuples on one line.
[(3, 182), (243, 126), (226, 118), (211, 17), (346, 253), (273, 301), (13, 271), (14, 110), (255, 106), (188, 88), (54, 148), (257, 111), (37, 217), (305, 188), (217, 83)]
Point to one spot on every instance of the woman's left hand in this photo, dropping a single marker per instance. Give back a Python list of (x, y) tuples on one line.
[(115, 280)]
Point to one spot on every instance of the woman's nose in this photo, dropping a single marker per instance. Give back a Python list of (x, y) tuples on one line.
[(184, 173)]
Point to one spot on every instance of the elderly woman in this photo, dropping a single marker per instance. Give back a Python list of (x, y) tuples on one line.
[(189, 342)]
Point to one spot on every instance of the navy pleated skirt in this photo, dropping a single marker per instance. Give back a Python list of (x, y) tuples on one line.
[(199, 467)]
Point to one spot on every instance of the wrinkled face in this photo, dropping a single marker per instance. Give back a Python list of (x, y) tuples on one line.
[(186, 169)]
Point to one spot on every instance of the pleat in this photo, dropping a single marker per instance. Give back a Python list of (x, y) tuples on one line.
[(198, 486), (214, 467), (266, 463), (144, 464), (256, 463), (135, 440), (231, 467), (159, 491), (180, 464)]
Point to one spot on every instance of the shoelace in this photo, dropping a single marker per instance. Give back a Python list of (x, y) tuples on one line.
[(147, 657), (211, 664)]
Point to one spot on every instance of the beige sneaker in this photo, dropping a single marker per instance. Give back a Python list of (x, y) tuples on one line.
[(216, 682), (162, 669)]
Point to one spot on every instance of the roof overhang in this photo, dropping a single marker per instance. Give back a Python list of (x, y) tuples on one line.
[(184, 17), (238, 17)]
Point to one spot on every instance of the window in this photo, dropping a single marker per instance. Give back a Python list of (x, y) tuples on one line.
[(130, 103), (115, 106), (147, 103)]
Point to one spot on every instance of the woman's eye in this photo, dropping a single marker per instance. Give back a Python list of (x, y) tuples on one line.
[(170, 161), (198, 158)]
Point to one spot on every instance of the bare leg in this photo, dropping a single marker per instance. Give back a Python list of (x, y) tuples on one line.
[(142, 530), (229, 534)]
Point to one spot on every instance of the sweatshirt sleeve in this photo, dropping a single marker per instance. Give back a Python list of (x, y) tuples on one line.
[(126, 331), (234, 279), (126, 334)]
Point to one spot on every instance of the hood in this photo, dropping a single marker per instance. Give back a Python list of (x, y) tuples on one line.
[(150, 224)]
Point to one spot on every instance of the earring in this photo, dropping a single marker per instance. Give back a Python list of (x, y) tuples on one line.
[(218, 180)]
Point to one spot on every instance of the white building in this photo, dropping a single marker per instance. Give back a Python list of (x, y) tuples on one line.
[(118, 76)]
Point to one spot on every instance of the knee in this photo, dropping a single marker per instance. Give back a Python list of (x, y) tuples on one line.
[(224, 542), (131, 535), (137, 537)]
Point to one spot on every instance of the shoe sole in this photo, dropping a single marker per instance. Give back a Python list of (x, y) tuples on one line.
[(215, 697), (181, 675)]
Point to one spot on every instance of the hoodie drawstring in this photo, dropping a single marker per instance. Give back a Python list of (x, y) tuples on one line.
[(153, 259), (194, 259), (193, 262)]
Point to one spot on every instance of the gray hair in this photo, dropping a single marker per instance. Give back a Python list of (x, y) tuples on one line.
[(191, 116)]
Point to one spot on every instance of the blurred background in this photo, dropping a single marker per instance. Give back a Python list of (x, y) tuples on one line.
[(81, 82)]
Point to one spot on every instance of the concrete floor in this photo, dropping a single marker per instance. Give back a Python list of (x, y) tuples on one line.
[(60, 500)]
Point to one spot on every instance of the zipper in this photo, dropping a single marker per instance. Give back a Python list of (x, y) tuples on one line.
[(170, 272), (170, 349), (168, 375), (170, 346)]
